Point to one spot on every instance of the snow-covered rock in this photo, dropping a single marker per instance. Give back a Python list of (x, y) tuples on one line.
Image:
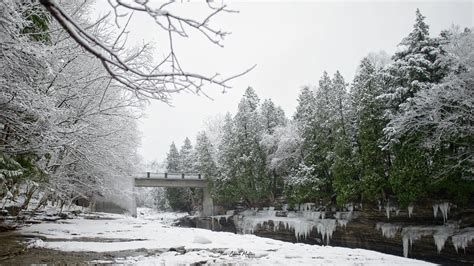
[(201, 240)]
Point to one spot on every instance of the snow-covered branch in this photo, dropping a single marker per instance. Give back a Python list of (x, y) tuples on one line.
[(134, 69)]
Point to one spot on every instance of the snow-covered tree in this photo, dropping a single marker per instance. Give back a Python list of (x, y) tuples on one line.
[(304, 115), (271, 116), (369, 123), (60, 111), (226, 147), (441, 116), (241, 158), (178, 198), (416, 67), (187, 157), (205, 163), (173, 159)]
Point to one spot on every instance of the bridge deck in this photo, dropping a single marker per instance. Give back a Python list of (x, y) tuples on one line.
[(169, 182), (148, 179)]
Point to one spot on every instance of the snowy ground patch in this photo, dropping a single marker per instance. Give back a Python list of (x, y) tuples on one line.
[(100, 232)]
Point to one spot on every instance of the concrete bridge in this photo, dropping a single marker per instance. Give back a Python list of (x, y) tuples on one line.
[(191, 180)]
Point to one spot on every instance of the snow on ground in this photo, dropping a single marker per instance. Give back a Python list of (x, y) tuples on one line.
[(100, 232)]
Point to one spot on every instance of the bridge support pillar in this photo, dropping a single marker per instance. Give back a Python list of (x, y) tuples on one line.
[(133, 209), (207, 204)]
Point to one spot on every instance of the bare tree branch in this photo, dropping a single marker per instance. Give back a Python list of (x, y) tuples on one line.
[(130, 69)]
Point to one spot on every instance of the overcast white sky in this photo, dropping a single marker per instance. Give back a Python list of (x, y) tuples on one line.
[(291, 42)]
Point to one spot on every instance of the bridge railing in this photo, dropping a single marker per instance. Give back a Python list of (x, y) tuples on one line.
[(168, 175)]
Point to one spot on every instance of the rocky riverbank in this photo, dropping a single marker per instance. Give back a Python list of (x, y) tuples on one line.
[(414, 232), (101, 238)]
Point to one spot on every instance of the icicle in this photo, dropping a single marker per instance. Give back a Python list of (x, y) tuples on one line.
[(435, 210), (397, 211), (444, 208), (305, 206), (463, 238), (342, 223), (405, 247), (326, 228), (387, 211), (344, 215), (350, 207), (440, 235), (323, 215), (410, 210), (388, 230), (380, 206), (412, 233), (440, 240)]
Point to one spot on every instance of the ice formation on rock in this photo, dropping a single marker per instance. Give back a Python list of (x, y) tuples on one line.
[(311, 215), (435, 210), (218, 217), (342, 223), (444, 208), (306, 206), (343, 218), (440, 240), (440, 234), (389, 209), (248, 212), (326, 228), (349, 207), (463, 238), (388, 230), (267, 212), (412, 233), (301, 222), (410, 210), (344, 215), (301, 227)]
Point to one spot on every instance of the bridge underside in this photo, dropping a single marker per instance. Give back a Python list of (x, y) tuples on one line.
[(208, 206)]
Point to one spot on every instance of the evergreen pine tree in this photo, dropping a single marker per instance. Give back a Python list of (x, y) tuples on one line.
[(345, 176), (369, 123), (272, 117), (415, 68), (177, 197), (205, 163)]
